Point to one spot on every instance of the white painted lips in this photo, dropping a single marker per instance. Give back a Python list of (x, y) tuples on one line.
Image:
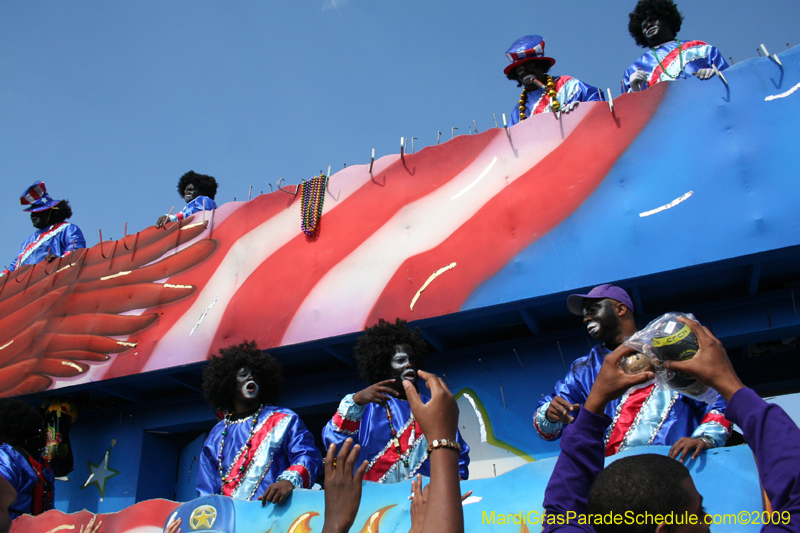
[(409, 375), (250, 389)]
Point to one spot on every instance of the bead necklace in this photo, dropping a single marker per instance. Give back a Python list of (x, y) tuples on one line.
[(522, 99), (313, 195), (395, 440), (247, 445), (549, 89), (551, 92), (680, 59)]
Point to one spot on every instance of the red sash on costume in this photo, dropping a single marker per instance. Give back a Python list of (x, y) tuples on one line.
[(627, 414), (544, 100), (390, 456), (38, 242), (670, 58)]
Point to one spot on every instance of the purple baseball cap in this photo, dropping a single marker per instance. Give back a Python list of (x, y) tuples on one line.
[(575, 301)]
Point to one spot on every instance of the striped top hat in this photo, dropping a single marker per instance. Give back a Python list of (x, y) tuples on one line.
[(37, 198), (524, 49)]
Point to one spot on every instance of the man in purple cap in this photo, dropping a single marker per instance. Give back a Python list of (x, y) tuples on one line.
[(644, 415), (542, 93), (54, 237)]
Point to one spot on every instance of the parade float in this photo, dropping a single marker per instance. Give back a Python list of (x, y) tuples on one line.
[(683, 194)]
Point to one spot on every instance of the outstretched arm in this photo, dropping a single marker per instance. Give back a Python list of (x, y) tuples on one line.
[(778, 463), (438, 419), (342, 487), (582, 448)]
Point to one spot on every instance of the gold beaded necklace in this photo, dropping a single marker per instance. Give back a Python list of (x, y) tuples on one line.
[(549, 89)]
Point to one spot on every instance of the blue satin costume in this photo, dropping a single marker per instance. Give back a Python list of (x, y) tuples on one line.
[(59, 239), (647, 415), (368, 426), (198, 204), (282, 449), (677, 63), (568, 90), (21, 475)]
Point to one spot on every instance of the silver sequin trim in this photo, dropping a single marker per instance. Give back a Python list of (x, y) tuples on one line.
[(638, 418), (263, 472), (673, 398), (396, 466), (388, 445)]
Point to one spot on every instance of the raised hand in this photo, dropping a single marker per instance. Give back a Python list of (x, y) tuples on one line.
[(174, 526), (91, 527), (612, 381), (710, 365), (342, 487), (376, 393), (439, 417), (419, 503)]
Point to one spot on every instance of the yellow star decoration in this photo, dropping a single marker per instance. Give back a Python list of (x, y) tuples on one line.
[(204, 516)]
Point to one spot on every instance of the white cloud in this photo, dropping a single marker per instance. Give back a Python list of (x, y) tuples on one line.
[(332, 4)]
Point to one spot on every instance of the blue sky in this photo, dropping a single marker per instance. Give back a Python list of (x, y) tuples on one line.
[(110, 102)]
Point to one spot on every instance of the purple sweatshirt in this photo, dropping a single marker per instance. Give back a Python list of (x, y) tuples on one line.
[(582, 457)]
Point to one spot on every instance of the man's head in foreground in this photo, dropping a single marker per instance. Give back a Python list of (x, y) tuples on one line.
[(643, 485)]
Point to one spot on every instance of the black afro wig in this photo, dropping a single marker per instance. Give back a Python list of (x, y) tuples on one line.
[(664, 10), (207, 185), (58, 213), (219, 377), (375, 349), (21, 425), (544, 65)]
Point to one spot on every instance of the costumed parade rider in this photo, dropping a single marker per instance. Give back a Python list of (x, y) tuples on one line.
[(258, 450), (654, 24), (542, 93), (54, 236), (198, 190), (648, 415), (379, 417), (22, 434), (651, 493)]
